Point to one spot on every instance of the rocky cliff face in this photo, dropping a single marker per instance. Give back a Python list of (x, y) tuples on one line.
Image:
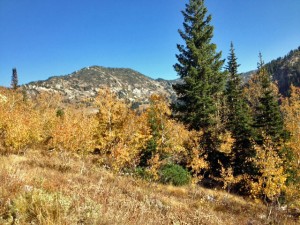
[(85, 83)]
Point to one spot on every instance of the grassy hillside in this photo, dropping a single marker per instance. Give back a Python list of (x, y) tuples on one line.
[(43, 187), (62, 165)]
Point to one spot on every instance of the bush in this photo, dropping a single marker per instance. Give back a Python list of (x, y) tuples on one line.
[(174, 174)]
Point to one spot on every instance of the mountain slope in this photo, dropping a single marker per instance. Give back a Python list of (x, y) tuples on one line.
[(286, 70), (43, 187), (85, 83), (136, 87)]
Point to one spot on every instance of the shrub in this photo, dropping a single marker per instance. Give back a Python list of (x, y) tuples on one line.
[(174, 174), (39, 207), (141, 172)]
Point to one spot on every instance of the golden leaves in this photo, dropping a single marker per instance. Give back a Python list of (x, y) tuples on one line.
[(291, 110), (227, 142), (272, 177)]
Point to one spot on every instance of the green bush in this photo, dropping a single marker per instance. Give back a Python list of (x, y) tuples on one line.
[(140, 172), (174, 174)]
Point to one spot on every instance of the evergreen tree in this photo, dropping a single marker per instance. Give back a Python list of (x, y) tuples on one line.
[(271, 156), (239, 119), (14, 79), (199, 66), (267, 119)]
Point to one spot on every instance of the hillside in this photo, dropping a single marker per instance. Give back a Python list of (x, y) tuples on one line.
[(286, 70), (43, 187), (85, 83)]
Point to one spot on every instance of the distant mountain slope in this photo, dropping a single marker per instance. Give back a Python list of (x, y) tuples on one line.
[(85, 83), (136, 87), (286, 70), (246, 76)]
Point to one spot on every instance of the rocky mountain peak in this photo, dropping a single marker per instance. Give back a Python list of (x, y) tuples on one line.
[(85, 83)]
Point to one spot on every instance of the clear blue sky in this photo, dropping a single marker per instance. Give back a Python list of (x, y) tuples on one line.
[(42, 38)]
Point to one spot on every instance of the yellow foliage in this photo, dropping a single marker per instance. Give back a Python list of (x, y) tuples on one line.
[(227, 142), (291, 110), (121, 133), (292, 195), (155, 163), (26, 122), (170, 136), (20, 124), (175, 140), (227, 177), (195, 155), (74, 131), (111, 117), (132, 138), (271, 181)]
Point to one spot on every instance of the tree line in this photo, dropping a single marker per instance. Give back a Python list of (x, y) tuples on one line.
[(260, 159)]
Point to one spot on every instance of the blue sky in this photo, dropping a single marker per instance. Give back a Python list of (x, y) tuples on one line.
[(42, 38)]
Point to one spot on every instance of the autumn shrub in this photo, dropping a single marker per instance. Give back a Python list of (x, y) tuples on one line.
[(121, 134), (73, 130), (168, 137), (174, 174), (20, 125), (271, 181)]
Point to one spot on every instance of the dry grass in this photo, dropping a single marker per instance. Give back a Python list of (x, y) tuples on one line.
[(58, 188)]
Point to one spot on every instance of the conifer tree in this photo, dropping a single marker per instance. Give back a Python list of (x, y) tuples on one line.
[(199, 66), (239, 119), (269, 135), (267, 118), (14, 79)]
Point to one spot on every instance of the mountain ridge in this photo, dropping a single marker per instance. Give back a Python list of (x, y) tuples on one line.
[(86, 82), (136, 87)]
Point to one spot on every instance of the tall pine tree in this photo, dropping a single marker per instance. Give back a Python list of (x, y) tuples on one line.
[(199, 66), (267, 119), (269, 135), (239, 119)]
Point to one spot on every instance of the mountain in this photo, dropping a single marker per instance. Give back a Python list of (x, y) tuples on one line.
[(136, 87), (286, 70), (246, 76), (85, 83)]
